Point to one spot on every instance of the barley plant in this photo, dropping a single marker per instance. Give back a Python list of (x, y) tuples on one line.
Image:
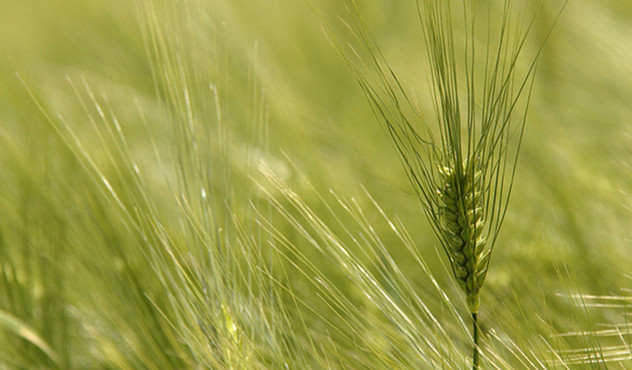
[(195, 184), (463, 168)]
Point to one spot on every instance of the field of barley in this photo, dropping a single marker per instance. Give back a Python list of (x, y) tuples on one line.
[(213, 184)]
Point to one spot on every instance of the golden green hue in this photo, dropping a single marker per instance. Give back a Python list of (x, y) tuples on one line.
[(197, 184)]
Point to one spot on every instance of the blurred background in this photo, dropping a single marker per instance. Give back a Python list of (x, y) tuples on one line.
[(288, 96)]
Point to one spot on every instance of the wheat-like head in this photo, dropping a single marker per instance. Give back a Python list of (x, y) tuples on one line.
[(461, 223), (463, 167)]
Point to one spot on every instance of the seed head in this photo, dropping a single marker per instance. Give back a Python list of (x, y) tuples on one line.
[(461, 223)]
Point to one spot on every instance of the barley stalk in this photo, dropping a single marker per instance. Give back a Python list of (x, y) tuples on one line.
[(462, 169)]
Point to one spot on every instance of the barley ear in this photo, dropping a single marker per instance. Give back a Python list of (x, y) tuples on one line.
[(461, 223)]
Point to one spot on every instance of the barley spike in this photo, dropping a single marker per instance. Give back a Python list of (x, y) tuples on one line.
[(462, 223)]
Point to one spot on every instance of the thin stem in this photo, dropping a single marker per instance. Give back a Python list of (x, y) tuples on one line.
[(475, 338)]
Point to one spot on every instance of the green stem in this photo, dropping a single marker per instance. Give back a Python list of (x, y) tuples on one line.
[(475, 338)]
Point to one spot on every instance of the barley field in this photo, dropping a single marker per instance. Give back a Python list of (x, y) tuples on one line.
[(253, 184)]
